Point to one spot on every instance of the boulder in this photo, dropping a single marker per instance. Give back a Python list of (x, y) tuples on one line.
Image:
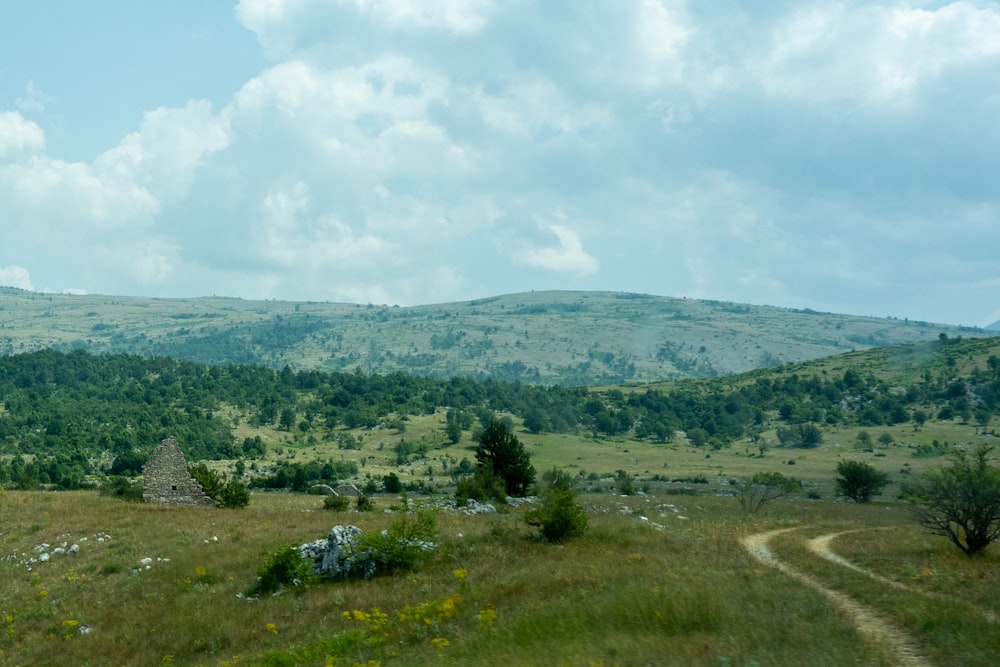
[(339, 556), (347, 490)]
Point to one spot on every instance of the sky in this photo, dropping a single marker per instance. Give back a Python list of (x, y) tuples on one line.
[(839, 156)]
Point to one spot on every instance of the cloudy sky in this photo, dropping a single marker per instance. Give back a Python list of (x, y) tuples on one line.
[(840, 156)]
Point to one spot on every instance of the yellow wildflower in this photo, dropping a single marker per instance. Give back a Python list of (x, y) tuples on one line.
[(272, 628)]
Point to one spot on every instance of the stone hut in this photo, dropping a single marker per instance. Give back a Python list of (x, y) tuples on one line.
[(166, 479)]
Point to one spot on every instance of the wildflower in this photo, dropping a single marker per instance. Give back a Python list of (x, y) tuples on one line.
[(10, 618), (448, 607), (460, 573), (440, 643), (272, 628), (200, 571), (487, 616)]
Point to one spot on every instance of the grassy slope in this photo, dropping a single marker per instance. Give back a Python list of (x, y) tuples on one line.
[(627, 594), (584, 338)]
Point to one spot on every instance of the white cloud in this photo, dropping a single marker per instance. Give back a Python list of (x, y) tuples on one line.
[(168, 148), (459, 16), (19, 136), (807, 154), (566, 257), (15, 276), (875, 55)]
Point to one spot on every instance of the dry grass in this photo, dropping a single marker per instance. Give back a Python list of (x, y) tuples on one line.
[(626, 594)]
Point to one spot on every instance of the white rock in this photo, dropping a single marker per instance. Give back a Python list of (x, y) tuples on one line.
[(44, 558)]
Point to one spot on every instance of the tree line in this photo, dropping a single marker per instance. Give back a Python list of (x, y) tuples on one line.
[(64, 415)]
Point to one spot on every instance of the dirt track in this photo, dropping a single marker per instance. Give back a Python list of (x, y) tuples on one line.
[(870, 624)]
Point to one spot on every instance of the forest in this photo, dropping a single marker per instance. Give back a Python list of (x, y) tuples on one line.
[(68, 418)]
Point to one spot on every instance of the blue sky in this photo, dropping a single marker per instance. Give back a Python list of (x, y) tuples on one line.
[(842, 156)]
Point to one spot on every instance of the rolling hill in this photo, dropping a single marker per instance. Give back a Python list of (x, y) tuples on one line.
[(569, 338)]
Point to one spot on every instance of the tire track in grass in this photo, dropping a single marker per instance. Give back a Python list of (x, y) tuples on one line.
[(870, 624), (821, 547)]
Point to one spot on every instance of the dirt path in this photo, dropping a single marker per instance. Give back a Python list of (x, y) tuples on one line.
[(876, 628), (821, 547)]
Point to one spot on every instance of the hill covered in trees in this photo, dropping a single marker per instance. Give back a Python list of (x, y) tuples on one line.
[(565, 338), (67, 415)]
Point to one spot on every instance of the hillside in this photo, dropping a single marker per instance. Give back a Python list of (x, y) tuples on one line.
[(569, 338)]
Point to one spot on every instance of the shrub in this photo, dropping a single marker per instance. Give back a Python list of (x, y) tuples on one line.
[(558, 517), (123, 488), (391, 483), (762, 487), (230, 494), (364, 503), (482, 486), (336, 503), (961, 501), (859, 481), (285, 567), (625, 483), (404, 545)]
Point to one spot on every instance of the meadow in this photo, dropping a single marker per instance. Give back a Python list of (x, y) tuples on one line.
[(154, 585)]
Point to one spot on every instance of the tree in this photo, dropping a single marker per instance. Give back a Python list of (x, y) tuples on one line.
[(558, 517), (230, 494), (762, 487), (859, 481), (505, 455), (535, 420), (961, 501)]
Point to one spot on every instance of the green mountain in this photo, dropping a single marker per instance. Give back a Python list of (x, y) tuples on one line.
[(570, 338)]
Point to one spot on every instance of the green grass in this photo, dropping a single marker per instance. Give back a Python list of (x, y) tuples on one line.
[(625, 594)]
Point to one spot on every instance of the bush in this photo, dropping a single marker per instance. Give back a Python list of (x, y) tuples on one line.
[(859, 481), (364, 503), (230, 494), (762, 487), (558, 517), (286, 567), (961, 501), (481, 486), (336, 503), (404, 545), (123, 488), (391, 483), (625, 483)]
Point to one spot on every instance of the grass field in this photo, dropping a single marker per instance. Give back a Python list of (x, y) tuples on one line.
[(596, 459), (675, 589)]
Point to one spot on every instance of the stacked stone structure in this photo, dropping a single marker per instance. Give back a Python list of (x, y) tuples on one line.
[(166, 480)]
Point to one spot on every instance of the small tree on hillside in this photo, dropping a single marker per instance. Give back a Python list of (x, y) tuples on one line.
[(500, 449), (762, 487), (558, 517), (859, 481), (961, 501)]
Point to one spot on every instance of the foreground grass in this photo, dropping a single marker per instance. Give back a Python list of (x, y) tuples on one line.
[(630, 593)]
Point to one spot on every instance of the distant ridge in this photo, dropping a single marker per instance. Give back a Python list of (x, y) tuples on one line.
[(575, 338), (994, 327)]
